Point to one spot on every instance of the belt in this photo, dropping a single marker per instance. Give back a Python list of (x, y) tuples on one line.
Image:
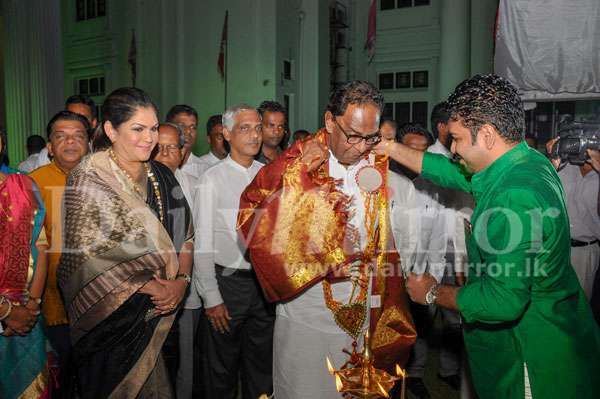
[(577, 243), (230, 271)]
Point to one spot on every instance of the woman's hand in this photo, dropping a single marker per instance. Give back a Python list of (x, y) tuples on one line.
[(169, 295), (21, 320)]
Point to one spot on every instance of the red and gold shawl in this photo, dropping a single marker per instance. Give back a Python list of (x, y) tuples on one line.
[(295, 225)]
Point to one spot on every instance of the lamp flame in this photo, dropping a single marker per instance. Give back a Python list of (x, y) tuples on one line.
[(338, 383), (382, 390), (330, 366), (399, 371)]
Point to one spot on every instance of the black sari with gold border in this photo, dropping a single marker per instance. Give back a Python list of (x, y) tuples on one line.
[(114, 244)]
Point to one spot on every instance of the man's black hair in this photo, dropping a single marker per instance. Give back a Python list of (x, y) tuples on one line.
[(212, 122), (354, 92), (413, 128), (81, 99), (489, 99), (271, 106), (181, 109), (439, 114), (68, 116), (35, 143)]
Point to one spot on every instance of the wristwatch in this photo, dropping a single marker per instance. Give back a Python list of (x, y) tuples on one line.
[(184, 276), (432, 294)]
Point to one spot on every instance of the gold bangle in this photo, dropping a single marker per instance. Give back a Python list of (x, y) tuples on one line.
[(10, 306)]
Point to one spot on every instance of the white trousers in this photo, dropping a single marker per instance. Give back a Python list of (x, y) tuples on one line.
[(585, 262)]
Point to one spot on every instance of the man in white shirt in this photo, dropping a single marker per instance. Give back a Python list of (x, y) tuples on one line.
[(403, 203), (218, 147), (237, 330), (187, 119), (311, 233), (441, 252), (168, 152), (35, 144), (581, 185)]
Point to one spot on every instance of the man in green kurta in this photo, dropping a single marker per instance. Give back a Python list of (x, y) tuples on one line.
[(529, 331)]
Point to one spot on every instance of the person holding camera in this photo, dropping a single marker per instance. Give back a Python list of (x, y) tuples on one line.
[(582, 196)]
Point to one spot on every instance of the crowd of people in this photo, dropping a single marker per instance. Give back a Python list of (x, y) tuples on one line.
[(133, 268)]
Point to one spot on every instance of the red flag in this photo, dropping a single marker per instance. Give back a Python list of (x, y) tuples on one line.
[(221, 61), (372, 30), (132, 57)]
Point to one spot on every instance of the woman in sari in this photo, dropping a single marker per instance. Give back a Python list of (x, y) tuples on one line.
[(126, 256), (24, 371)]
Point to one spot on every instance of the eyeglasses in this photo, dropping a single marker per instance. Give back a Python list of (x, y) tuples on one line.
[(356, 138), (187, 128), (167, 147)]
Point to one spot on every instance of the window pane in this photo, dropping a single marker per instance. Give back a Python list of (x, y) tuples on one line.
[(388, 110), (387, 4), (419, 113), (101, 8), (404, 3), (287, 70), (402, 80), (83, 86), (94, 86), (421, 3), (80, 4), (386, 81), (420, 79), (402, 113), (565, 108), (91, 9)]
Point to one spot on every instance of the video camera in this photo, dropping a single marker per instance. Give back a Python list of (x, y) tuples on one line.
[(575, 139)]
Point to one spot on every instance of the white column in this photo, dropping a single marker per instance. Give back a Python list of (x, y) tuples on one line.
[(33, 71), (483, 15)]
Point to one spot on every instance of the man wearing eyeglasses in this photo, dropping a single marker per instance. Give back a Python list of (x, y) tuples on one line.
[(179, 345), (305, 219), (186, 118), (67, 144)]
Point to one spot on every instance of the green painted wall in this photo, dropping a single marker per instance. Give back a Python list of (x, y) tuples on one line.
[(178, 45)]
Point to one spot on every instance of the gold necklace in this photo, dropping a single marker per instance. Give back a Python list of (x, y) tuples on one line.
[(156, 188), (350, 317), (136, 186)]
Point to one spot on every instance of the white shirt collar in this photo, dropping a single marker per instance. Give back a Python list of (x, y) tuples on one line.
[(213, 157), (439, 148), (232, 162)]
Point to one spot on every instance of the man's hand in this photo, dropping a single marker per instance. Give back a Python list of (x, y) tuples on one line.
[(314, 154), (418, 286), (594, 159), (549, 145), (383, 147), (219, 317)]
